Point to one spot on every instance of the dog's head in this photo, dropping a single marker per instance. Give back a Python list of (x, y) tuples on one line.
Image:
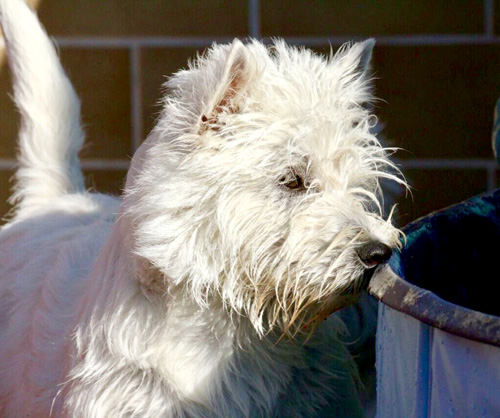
[(260, 183)]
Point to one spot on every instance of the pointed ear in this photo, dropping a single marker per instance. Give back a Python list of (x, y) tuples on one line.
[(365, 55), (234, 78), (355, 60)]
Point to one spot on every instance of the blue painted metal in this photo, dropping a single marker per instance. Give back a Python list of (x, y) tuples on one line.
[(438, 338)]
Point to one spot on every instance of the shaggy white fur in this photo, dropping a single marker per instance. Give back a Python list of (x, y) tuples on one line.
[(250, 213)]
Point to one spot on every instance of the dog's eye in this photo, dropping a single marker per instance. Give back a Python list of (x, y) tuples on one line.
[(294, 183)]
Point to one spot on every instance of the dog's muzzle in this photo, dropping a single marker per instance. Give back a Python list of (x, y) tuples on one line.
[(371, 255), (374, 253)]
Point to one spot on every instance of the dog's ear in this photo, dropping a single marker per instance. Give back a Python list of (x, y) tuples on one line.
[(234, 77), (354, 60), (351, 67), (365, 49)]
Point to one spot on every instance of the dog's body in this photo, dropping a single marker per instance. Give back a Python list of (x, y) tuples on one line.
[(249, 215)]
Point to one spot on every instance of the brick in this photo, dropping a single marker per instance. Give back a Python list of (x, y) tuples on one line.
[(438, 100), (145, 17), (366, 17), (9, 119), (105, 181), (496, 19), (102, 181), (102, 80), (158, 64), (5, 192), (436, 189)]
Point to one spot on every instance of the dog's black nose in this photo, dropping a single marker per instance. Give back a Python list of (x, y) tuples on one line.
[(374, 253)]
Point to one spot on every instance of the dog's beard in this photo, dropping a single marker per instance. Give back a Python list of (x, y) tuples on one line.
[(292, 289), (293, 298), (300, 310)]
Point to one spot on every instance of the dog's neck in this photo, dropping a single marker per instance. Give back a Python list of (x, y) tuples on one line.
[(209, 351), (200, 353)]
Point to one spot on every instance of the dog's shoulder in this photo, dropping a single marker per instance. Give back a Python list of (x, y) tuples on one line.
[(51, 246), (45, 263)]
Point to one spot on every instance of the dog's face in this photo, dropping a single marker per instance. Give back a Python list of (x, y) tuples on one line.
[(260, 183)]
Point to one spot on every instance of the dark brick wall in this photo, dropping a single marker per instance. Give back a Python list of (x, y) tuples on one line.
[(437, 65)]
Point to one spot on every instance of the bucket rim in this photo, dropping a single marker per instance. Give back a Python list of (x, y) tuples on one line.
[(392, 290)]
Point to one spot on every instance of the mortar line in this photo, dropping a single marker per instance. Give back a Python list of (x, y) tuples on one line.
[(489, 17), (8, 164), (135, 97), (491, 179), (437, 163), (128, 42), (431, 163), (254, 28), (201, 42)]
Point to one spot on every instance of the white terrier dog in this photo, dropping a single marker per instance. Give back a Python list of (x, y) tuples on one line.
[(250, 213)]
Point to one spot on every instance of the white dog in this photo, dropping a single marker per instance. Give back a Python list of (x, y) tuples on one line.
[(250, 214)]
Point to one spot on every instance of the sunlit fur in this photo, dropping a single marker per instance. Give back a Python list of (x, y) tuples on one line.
[(197, 293), (267, 251)]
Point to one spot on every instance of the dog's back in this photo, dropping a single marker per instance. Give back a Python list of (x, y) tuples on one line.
[(45, 263)]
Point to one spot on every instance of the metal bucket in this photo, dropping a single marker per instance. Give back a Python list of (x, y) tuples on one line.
[(438, 337)]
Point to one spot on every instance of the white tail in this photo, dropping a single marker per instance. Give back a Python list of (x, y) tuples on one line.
[(50, 134)]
